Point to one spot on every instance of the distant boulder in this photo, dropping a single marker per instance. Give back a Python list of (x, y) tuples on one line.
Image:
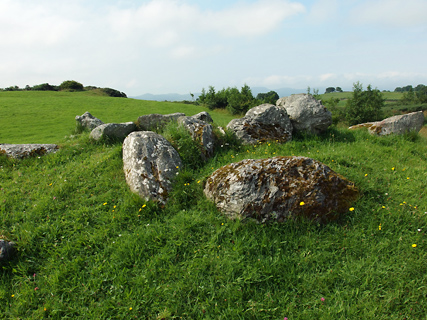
[(397, 125), (204, 116), (150, 164), (156, 122), (306, 113), (112, 131), (280, 188), (262, 123), (202, 133), (88, 121), (20, 151)]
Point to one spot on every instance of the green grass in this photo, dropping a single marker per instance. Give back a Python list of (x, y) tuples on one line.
[(90, 249), (46, 116)]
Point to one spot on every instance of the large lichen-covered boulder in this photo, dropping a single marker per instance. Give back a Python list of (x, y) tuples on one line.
[(150, 164), (156, 122), (112, 131), (204, 116), (7, 250), (19, 151), (202, 133), (280, 188), (262, 123), (394, 125), (306, 113), (88, 121)]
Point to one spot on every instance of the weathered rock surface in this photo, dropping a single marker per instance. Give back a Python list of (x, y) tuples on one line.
[(280, 188), (112, 131), (150, 164), (20, 151), (397, 125), (262, 123), (88, 121), (204, 116), (6, 250), (156, 122), (306, 113), (201, 132)]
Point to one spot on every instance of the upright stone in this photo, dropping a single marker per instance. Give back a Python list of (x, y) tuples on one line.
[(306, 113), (150, 164), (202, 133)]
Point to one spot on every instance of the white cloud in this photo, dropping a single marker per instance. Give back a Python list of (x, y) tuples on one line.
[(253, 19), (384, 80), (323, 11), (392, 13), (162, 23)]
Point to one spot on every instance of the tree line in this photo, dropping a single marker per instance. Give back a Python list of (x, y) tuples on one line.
[(234, 100), (68, 85)]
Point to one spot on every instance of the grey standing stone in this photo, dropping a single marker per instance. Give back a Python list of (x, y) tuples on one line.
[(201, 132), (306, 113), (150, 164)]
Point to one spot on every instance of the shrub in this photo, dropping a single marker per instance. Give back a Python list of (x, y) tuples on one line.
[(240, 102), (44, 87), (71, 85), (364, 106), (114, 93), (269, 97)]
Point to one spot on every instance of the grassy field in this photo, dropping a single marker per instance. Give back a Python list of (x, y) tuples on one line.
[(48, 116), (89, 249)]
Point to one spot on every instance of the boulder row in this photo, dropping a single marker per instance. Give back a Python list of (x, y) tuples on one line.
[(150, 164), (280, 188)]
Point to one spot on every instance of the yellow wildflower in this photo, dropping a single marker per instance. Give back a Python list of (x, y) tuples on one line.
[(302, 203), (414, 245), (351, 209)]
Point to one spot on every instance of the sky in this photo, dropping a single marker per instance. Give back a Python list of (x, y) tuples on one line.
[(182, 46)]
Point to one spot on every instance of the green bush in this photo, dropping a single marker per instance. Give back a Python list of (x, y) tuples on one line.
[(71, 85), (114, 93), (364, 106), (269, 97), (235, 101)]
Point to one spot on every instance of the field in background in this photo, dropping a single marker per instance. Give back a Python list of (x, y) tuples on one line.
[(49, 116)]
